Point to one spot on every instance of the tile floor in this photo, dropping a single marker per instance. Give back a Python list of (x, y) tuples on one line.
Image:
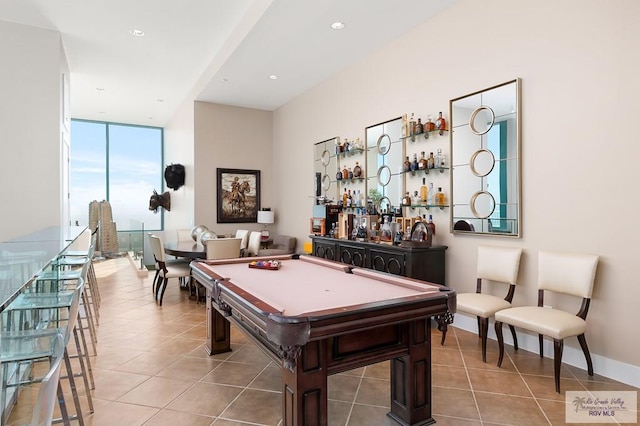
[(152, 370)]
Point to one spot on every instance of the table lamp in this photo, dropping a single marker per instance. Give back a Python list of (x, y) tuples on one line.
[(265, 217)]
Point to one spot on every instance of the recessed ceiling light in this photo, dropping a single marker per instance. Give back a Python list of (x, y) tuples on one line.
[(160, 100), (337, 25), (100, 89), (136, 33), (273, 77), (150, 118), (101, 112)]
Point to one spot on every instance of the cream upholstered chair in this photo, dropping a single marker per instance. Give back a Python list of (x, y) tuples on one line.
[(223, 248), (184, 235), (244, 235), (253, 247), (282, 244), (499, 264), (566, 273), (165, 270)]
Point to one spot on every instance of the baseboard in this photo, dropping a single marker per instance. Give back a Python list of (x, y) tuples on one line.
[(607, 367), (142, 272)]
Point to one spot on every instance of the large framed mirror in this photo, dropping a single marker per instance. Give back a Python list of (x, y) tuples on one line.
[(384, 163), (325, 167), (485, 159)]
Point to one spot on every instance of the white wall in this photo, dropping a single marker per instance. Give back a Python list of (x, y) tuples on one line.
[(578, 61), (30, 132), (234, 138), (178, 149)]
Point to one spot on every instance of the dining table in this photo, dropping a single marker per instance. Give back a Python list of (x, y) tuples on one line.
[(186, 249)]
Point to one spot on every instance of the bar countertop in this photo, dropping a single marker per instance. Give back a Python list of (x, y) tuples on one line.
[(24, 257)]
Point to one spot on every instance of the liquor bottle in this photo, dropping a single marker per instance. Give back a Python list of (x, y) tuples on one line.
[(440, 200), (423, 193), (419, 127), (339, 175), (357, 170), (422, 164), (430, 126), (344, 197), (406, 166), (385, 230), (431, 195), (432, 226), (345, 173), (415, 201), (349, 199), (440, 161), (431, 162), (412, 126), (441, 124), (414, 163), (350, 173), (406, 201), (405, 126)]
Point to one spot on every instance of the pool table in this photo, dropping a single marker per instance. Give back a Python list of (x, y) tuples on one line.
[(317, 317)]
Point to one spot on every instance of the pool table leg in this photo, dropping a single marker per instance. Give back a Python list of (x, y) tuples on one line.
[(304, 391), (411, 398), (218, 330)]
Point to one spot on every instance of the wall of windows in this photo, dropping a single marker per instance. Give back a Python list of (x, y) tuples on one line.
[(120, 163)]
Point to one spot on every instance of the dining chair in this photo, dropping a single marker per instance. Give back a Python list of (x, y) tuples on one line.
[(253, 246), (494, 264), (165, 270), (184, 235), (223, 248), (565, 273), (244, 234)]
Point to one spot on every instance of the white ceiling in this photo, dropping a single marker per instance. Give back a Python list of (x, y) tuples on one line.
[(219, 51)]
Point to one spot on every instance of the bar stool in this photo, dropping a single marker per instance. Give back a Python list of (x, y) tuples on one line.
[(55, 278), (24, 347), (42, 311)]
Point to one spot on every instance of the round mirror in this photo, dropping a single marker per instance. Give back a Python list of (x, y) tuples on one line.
[(384, 144), (325, 158), (326, 182), (482, 120), (384, 175), (482, 204), (482, 162), (384, 205)]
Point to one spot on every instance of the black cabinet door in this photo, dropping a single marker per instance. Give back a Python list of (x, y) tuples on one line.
[(385, 261), (324, 250), (352, 255)]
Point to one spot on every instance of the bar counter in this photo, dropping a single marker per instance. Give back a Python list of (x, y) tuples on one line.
[(22, 258)]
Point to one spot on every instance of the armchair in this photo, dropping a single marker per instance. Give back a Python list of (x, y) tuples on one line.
[(282, 244)]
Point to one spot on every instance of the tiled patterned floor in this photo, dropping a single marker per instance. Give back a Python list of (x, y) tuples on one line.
[(152, 370)]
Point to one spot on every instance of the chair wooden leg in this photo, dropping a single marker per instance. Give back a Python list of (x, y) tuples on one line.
[(557, 361), (500, 342), (159, 287), (155, 282), (444, 335), (479, 320), (587, 356), (540, 341), (515, 338), (164, 287), (484, 328)]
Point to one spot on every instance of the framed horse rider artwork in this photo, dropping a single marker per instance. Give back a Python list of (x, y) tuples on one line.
[(238, 195)]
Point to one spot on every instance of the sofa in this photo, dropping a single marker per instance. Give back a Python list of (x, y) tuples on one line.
[(282, 244)]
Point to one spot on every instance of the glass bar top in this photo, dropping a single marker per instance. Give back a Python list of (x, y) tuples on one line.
[(22, 258)]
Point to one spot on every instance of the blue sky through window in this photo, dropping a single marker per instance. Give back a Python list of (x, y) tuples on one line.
[(119, 163)]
